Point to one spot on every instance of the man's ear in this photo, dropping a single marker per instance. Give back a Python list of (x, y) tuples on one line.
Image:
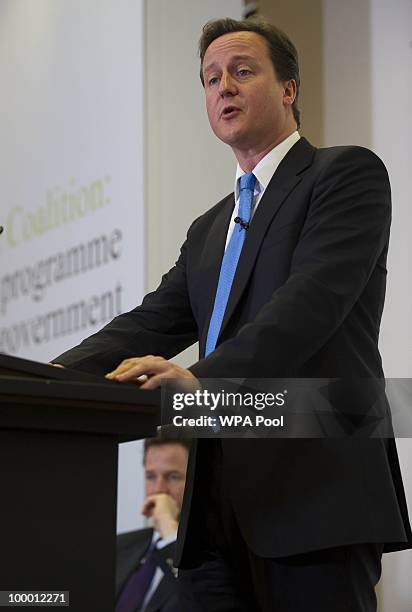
[(289, 92)]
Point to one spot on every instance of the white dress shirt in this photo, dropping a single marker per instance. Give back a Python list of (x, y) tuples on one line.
[(158, 575), (263, 171)]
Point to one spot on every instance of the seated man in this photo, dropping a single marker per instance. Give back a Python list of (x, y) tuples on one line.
[(145, 572)]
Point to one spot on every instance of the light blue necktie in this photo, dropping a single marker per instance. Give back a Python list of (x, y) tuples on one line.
[(230, 259)]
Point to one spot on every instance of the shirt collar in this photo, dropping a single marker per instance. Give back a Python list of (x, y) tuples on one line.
[(267, 166), (160, 542)]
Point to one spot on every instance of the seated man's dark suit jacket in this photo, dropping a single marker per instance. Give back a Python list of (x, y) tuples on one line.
[(306, 301), (131, 549)]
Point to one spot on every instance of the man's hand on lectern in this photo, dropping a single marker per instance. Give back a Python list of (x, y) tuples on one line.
[(150, 370)]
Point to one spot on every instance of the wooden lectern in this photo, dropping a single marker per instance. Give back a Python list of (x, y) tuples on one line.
[(59, 435)]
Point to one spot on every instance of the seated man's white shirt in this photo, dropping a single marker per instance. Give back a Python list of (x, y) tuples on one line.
[(158, 575)]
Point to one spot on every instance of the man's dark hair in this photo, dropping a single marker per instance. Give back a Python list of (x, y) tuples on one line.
[(162, 439), (282, 51)]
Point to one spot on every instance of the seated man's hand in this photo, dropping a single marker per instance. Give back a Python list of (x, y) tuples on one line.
[(163, 510), (149, 372)]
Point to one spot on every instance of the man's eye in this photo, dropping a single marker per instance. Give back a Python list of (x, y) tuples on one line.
[(243, 72), (212, 81)]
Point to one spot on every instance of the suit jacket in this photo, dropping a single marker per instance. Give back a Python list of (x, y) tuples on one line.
[(131, 549), (306, 301)]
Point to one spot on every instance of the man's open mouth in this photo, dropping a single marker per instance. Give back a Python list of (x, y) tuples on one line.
[(230, 111)]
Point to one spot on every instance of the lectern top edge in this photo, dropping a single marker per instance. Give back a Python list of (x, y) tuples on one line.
[(10, 365)]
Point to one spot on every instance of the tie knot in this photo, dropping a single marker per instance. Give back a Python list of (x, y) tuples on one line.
[(247, 181)]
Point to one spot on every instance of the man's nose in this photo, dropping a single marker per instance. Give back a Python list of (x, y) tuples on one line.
[(227, 85), (159, 486)]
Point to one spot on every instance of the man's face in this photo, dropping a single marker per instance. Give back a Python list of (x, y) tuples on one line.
[(248, 108), (165, 471)]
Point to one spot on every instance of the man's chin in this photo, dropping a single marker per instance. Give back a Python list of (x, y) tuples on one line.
[(232, 136)]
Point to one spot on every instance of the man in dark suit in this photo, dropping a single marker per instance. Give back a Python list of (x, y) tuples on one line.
[(151, 551), (283, 278)]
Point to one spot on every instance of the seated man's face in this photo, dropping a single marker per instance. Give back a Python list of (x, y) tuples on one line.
[(165, 471)]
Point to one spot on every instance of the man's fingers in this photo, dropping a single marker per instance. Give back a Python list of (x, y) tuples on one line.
[(148, 505), (133, 368), (124, 366), (154, 381), (147, 509), (170, 372), (150, 371)]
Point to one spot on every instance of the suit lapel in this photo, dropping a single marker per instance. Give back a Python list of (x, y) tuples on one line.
[(130, 557), (285, 179), (164, 591)]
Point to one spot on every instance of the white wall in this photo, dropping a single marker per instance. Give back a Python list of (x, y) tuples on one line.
[(391, 72), (188, 169), (368, 101)]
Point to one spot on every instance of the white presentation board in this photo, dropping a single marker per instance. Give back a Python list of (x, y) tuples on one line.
[(71, 152)]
